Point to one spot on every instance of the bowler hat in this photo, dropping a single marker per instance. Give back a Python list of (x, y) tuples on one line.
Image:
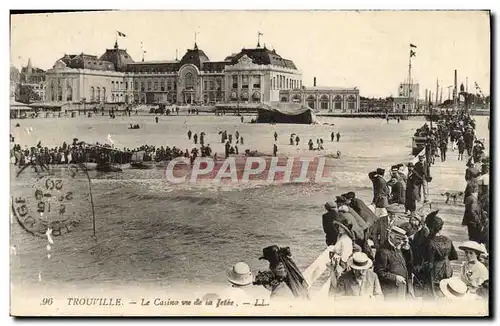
[(349, 195), (270, 253), (330, 205), (380, 171)]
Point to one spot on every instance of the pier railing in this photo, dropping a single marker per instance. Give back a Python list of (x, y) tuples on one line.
[(318, 268)]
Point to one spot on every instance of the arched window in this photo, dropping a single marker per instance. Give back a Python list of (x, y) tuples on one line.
[(296, 98), (337, 102), (244, 96), (69, 93), (351, 102), (59, 91), (112, 97), (256, 97), (98, 94), (189, 82), (310, 101), (284, 99), (92, 94), (323, 102), (104, 94)]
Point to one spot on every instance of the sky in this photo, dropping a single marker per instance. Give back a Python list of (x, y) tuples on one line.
[(364, 49)]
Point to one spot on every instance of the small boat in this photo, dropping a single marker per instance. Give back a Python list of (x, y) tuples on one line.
[(107, 167), (138, 162), (142, 165)]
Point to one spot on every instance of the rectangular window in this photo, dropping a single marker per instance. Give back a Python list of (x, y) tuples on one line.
[(235, 81), (136, 85), (126, 85), (205, 85), (149, 85), (155, 86), (211, 84), (169, 84), (338, 105), (142, 86), (244, 82), (162, 85), (219, 84), (256, 82), (350, 105)]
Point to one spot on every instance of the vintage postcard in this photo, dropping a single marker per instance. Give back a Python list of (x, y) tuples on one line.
[(250, 163)]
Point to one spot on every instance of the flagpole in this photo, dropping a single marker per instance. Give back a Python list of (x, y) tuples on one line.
[(409, 81)]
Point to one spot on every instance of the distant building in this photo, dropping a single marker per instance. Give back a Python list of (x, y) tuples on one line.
[(34, 78), (408, 97), (257, 75), (324, 98)]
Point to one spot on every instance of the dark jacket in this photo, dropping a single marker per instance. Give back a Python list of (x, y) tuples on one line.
[(423, 170), (366, 213), (380, 190), (378, 231), (390, 262), (330, 232), (472, 214)]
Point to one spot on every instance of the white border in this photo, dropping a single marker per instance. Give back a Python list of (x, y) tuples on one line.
[(196, 4)]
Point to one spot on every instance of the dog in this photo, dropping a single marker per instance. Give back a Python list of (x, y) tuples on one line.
[(452, 195)]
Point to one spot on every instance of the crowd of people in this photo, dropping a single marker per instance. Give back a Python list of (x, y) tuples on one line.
[(388, 249)]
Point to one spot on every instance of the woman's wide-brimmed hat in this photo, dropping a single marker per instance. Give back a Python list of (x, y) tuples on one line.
[(345, 227), (360, 261), (453, 288), (240, 274), (474, 246)]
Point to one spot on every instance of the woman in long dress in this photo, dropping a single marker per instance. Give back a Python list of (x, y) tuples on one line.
[(340, 253), (437, 253)]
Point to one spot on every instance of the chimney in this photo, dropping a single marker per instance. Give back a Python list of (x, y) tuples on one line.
[(314, 82)]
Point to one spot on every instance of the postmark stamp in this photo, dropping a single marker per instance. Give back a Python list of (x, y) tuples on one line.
[(55, 198)]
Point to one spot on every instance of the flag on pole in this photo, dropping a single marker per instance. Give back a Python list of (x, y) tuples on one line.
[(260, 34), (413, 46), (121, 34), (412, 54)]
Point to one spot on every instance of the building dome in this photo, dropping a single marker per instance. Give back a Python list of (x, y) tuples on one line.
[(119, 57), (195, 57), (263, 56)]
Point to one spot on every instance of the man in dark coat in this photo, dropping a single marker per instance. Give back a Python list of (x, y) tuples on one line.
[(391, 266), (472, 215), (360, 207), (398, 188), (379, 231), (423, 170), (331, 233), (380, 191)]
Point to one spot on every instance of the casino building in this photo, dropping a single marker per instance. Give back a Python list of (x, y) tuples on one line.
[(257, 75)]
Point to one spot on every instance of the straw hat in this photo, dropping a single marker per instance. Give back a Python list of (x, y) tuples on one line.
[(360, 261), (453, 288), (399, 232), (240, 274), (474, 246)]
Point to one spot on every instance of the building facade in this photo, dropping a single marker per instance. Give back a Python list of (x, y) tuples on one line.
[(258, 75), (408, 98), (330, 99)]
